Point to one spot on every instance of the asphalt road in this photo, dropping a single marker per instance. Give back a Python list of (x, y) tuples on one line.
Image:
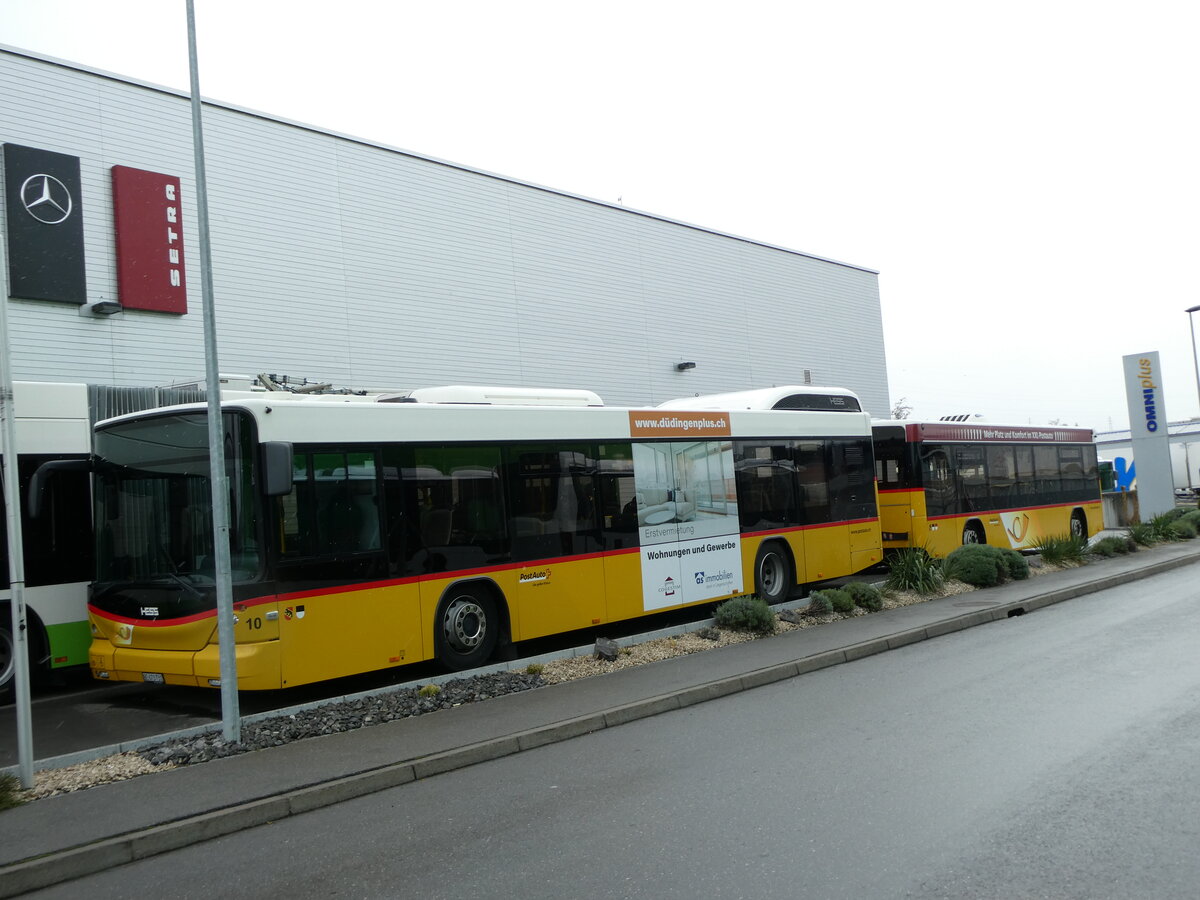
[(1048, 755)]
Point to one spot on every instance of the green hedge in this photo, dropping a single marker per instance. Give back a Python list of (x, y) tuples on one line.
[(746, 613), (982, 565)]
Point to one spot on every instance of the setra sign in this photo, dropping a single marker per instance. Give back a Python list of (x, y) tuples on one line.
[(149, 225)]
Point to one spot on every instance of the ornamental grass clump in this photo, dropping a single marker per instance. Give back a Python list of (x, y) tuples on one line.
[(984, 566), (1058, 549), (747, 613), (913, 569), (10, 787), (1162, 527), (1142, 534)]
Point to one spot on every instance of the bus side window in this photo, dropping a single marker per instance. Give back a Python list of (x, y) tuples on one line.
[(553, 500), (617, 496), (455, 508), (329, 525)]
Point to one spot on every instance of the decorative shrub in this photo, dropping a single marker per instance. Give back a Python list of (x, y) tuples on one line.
[(977, 564), (841, 600), (865, 595), (1112, 546), (746, 613), (913, 569), (1016, 566), (1193, 517), (1184, 530), (819, 604)]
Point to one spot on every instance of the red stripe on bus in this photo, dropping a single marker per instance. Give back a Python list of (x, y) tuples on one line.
[(458, 573), (997, 512), (794, 528), (180, 620)]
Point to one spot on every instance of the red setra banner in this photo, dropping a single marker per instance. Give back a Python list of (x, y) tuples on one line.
[(149, 226)]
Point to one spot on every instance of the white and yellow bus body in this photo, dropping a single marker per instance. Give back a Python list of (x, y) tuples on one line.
[(372, 532), (944, 484)]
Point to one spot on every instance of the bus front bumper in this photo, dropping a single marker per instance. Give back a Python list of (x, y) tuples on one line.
[(257, 665)]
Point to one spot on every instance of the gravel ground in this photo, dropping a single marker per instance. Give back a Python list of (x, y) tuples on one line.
[(349, 715)]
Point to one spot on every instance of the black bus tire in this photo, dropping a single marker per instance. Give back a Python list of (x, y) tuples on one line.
[(773, 579), (467, 627), (1079, 527), (973, 534)]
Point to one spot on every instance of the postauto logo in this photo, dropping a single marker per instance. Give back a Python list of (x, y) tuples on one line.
[(1149, 392)]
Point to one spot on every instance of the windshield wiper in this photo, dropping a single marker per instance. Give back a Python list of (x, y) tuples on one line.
[(173, 574)]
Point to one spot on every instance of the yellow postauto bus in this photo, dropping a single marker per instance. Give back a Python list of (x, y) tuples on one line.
[(442, 523), (944, 484)]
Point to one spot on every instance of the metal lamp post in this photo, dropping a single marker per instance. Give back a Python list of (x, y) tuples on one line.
[(1195, 359), (1196, 363)]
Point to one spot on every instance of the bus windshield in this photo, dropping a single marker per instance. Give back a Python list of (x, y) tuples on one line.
[(154, 500)]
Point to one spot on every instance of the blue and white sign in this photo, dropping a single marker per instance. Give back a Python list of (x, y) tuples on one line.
[(1148, 430)]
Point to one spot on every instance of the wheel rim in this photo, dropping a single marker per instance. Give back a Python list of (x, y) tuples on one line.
[(464, 625), (970, 536), (770, 575), (7, 657), (1076, 527)]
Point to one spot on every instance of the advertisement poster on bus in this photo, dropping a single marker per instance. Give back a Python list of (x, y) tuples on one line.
[(687, 521)]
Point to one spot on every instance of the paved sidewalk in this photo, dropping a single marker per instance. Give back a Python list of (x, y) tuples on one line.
[(60, 838)]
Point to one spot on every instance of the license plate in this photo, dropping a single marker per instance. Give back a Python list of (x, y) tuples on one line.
[(153, 678)]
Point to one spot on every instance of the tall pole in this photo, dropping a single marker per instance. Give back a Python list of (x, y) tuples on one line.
[(1195, 359), (230, 716), (16, 546)]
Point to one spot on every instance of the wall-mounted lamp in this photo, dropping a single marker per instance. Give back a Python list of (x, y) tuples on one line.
[(101, 308), (684, 366)]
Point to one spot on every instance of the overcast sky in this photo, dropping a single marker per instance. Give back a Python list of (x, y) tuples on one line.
[(1023, 175)]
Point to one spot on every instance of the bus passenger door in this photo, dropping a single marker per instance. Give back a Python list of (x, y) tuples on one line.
[(554, 528)]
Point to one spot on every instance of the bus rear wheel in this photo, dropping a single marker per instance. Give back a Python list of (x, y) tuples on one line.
[(973, 534), (772, 573), (467, 629), (1079, 525)]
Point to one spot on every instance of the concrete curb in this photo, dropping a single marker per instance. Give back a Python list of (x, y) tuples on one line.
[(76, 862)]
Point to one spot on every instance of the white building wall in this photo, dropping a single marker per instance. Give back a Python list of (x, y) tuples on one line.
[(345, 261)]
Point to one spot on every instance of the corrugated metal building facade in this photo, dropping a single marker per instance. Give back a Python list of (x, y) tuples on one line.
[(345, 261)]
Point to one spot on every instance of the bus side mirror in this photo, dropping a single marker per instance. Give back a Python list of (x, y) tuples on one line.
[(39, 484), (277, 468)]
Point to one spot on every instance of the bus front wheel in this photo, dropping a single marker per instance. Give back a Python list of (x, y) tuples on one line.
[(973, 534), (467, 630), (772, 573)]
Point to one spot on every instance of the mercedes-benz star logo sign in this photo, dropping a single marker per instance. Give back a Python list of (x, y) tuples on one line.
[(46, 199)]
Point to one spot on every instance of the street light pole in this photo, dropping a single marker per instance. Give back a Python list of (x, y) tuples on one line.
[(1195, 359), (231, 719)]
